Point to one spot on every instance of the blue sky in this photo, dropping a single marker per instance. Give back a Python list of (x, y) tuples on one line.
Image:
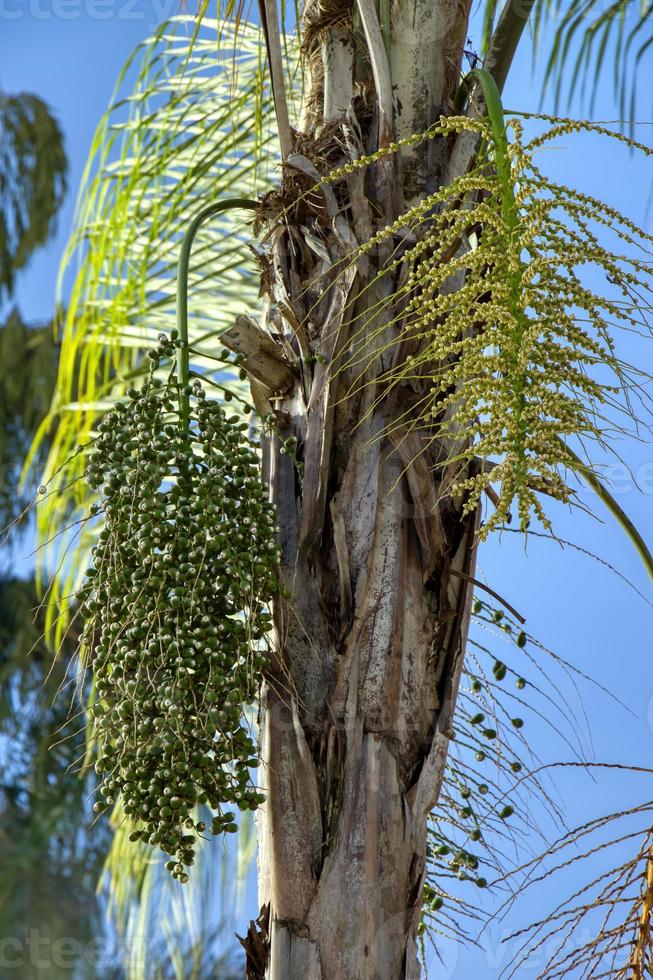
[(70, 52)]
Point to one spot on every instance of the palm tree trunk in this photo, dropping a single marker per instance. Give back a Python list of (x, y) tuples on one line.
[(356, 716)]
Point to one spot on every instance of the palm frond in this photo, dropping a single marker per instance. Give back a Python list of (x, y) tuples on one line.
[(583, 36), (601, 923), (167, 930), (193, 127)]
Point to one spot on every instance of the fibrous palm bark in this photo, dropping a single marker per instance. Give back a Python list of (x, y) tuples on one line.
[(377, 554)]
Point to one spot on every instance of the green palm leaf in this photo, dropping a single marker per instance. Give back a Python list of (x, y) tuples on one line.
[(584, 35), (194, 127)]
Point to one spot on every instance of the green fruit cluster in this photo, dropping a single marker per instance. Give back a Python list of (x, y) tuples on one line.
[(174, 611)]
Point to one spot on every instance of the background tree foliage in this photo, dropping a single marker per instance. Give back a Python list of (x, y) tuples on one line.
[(33, 168), (29, 357), (51, 864)]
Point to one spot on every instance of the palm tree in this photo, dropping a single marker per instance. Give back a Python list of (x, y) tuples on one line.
[(33, 174), (377, 555), (398, 374), (33, 169), (28, 355)]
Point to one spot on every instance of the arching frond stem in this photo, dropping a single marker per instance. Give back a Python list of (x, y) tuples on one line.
[(182, 285), (617, 512)]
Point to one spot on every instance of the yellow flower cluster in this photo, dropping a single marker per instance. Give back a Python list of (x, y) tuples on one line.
[(510, 350), (445, 126)]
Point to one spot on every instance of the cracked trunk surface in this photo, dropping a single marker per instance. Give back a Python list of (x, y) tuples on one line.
[(356, 716)]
